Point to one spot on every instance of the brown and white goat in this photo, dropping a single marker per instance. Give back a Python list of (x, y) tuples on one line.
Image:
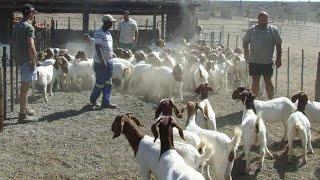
[(165, 107), (171, 164)]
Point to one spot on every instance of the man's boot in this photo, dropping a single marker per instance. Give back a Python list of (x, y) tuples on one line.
[(24, 118)]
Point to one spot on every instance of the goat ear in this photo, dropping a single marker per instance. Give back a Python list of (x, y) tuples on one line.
[(198, 90), (138, 123), (295, 97), (174, 124), (155, 131), (117, 126), (209, 88), (158, 111)]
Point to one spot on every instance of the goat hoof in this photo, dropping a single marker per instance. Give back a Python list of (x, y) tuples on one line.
[(45, 99)]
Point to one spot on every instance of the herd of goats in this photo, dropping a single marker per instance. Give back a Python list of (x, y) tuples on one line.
[(161, 73)]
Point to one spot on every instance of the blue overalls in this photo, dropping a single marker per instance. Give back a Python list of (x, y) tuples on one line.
[(103, 76)]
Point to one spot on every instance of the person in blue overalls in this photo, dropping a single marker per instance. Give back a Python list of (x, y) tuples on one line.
[(102, 63)]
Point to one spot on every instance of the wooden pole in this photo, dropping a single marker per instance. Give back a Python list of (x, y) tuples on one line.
[(154, 21), (94, 25), (228, 40), (4, 66), (288, 73), (17, 84), (317, 88), (11, 81), (220, 36), (237, 41), (1, 101), (299, 34), (302, 64), (162, 26), (146, 24), (212, 37), (318, 36), (276, 84), (69, 23)]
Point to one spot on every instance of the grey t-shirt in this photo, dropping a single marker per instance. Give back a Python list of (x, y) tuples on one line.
[(262, 42), (20, 34)]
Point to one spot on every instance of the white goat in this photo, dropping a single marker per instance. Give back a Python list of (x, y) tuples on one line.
[(254, 130), (299, 126), (312, 109), (218, 75), (83, 70), (171, 164), (121, 73), (200, 75), (275, 110), (45, 78), (224, 148)]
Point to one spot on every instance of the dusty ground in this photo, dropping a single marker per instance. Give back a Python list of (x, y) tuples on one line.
[(70, 141)]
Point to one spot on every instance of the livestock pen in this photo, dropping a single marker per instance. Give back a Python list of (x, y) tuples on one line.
[(71, 141)]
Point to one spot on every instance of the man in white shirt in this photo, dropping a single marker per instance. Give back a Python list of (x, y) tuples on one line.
[(102, 63), (127, 35)]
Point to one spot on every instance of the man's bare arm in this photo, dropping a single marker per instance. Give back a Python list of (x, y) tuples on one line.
[(136, 36), (32, 50), (246, 50), (279, 54)]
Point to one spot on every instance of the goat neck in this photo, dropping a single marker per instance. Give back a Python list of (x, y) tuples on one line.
[(133, 136), (166, 137), (248, 104)]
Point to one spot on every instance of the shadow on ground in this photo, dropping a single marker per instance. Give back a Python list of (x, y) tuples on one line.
[(66, 114), (229, 120)]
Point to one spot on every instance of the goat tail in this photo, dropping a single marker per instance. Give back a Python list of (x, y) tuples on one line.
[(205, 148), (236, 138), (298, 126), (257, 124), (233, 145), (200, 72)]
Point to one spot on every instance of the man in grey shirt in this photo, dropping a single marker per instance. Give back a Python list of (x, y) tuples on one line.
[(262, 39)]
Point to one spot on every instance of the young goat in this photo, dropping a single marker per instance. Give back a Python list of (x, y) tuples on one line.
[(210, 121), (171, 164), (299, 126), (275, 110), (312, 108), (253, 128), (145, 150), (224, 148), (165, 108)]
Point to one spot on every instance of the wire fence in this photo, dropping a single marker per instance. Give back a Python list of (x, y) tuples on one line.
[(299, 34)]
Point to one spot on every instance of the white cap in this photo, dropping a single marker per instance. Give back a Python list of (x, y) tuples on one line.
[(107, 17)]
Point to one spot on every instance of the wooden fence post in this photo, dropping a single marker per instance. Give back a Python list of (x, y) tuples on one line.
[(68, 23), (302, 64), (276, 84), (1, 101), (228, 40), (11, 81), (317, 88), (4, 66), (299, 34), (288, 73), (17, 84), (318, 36), (212, 37), (146, 24), (237, 41)]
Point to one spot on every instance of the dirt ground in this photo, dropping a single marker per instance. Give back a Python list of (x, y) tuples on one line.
[(70, 141)]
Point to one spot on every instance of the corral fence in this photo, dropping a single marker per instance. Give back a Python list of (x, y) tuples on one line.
[(69, 29), (299, 34)]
